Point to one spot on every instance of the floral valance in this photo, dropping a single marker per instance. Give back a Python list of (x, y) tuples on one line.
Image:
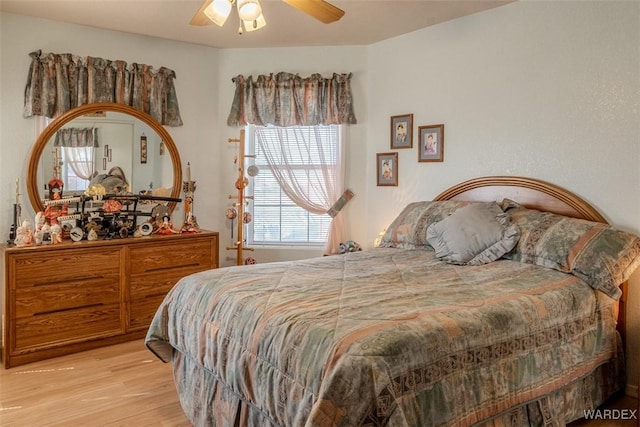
[(76, 137), (286, 99), (59, 82)]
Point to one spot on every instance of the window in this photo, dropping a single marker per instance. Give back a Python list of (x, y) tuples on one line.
[(276, 219), (74, 161)]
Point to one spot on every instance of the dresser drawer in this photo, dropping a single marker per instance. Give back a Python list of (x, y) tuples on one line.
[(55, 295), (154, 271), (60, 266), (195, 255), (158, 283), (142, 311), (68, 326)]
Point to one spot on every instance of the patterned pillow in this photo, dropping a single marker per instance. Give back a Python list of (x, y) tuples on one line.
[(601, 255), (475, 234), (409, 229)]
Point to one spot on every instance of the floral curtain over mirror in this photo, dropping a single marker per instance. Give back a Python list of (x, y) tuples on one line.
[(286, 99), (59, 82)]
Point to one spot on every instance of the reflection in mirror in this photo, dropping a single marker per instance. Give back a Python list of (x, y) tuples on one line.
[(116, 145), (92, 140)]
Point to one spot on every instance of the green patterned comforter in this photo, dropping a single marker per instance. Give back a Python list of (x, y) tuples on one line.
[(384, 337)]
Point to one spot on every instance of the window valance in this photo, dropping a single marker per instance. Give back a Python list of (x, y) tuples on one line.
[(76, 137), (59, 82), (286, 99)]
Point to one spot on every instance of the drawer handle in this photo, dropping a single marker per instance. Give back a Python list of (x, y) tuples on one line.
[(173, 267), (68, 309), (156, 295), (67, 280)]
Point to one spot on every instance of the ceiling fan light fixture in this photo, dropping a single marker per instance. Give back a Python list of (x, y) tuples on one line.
[(218, 11), (256, 24), (249, 10)]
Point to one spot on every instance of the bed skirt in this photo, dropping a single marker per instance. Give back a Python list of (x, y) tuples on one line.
[(200, 393)]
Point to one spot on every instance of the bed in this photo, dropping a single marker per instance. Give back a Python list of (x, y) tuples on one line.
[(402, 335)]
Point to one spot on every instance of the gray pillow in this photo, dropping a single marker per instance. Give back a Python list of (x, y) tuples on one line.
[(473, 235)]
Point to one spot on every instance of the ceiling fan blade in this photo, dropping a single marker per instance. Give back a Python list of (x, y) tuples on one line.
[(200, 18), (319, 9)]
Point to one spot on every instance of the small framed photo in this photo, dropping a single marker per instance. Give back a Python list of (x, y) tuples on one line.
[(387, 169), (402, 131), (431, 147), (143, 149)]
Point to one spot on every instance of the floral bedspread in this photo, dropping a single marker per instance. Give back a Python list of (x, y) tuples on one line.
[(384, 337)]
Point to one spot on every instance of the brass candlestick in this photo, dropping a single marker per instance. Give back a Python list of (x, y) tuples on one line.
[(190, 224)]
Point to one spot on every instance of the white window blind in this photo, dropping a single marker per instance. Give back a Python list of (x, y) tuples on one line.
[(276, 218)]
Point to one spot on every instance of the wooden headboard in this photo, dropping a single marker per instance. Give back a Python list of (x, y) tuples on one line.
[(529, 192), (535, 194)]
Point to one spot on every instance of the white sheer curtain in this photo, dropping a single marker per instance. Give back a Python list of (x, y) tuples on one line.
[(81, 161), (78, 145), (316, 188)]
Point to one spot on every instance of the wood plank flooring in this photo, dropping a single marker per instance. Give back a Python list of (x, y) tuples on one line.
[(121, 385)]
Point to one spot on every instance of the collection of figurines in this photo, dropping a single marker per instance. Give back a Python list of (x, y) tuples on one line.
[(48, 229), (110, 220), (28, 235)]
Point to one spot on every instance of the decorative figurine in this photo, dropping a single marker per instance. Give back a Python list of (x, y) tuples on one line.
[(95, 191), (19, 239), (111, 206), (55, 185), (38, 232), (56, 234), (26, 234), (167, 227), (55, 208)]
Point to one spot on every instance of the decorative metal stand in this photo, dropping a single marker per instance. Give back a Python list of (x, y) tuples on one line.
[(17, 212), (241, 199), (190, 224)]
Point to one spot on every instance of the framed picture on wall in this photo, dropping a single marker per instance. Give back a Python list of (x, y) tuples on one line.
[(143, 149), (387, 169), (402, 131), (431, 146)]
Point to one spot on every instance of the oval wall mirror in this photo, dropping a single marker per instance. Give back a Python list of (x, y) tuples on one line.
[(127, 139)]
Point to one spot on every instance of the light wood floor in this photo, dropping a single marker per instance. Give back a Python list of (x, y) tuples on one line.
[(121, 385)]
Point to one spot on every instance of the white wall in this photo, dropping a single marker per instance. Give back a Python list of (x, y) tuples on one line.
[(542, 89), (196, 84), (549, 90)]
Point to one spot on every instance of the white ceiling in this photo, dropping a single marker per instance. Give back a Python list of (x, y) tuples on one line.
[(365, 21)]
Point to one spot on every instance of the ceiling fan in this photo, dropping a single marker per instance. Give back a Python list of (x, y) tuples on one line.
[(250, 12)]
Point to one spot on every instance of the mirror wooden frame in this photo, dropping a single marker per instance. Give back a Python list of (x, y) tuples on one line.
[(55, 125)]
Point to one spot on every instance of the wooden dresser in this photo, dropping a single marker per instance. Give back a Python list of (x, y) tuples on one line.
[(65, 298)]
